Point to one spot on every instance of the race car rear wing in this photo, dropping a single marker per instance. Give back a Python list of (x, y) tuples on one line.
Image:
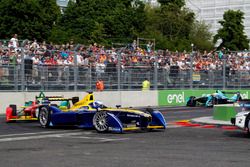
[(54, 98)]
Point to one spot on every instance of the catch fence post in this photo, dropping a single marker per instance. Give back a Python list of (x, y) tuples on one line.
[(191, 67), (119, 72), (224, 74), (90, 76), (156, 72), (22, 70)]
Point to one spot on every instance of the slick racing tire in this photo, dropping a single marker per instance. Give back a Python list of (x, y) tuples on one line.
[(148, 110), (14, 110), (10, 112), (44, 117), (100, 121), (247, 124), (215, 101)]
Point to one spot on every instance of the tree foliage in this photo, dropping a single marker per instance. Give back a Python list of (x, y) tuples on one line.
[(175, 28), (200, 36), (232, 31), (104, 21), (100, 20), (179, 3), (27, 18)]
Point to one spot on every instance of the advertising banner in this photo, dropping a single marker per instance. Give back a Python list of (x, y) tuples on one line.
[(179, 97)]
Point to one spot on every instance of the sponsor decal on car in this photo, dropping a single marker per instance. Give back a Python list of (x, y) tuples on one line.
[(131, 115), (114, 129)]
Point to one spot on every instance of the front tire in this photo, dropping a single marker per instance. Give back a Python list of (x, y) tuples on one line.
[(44, 117), (247, 125), (100, 121), (248, 129), (11, 113)]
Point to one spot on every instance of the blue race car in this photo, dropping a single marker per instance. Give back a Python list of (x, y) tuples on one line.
[(89, 113), (210, 100)]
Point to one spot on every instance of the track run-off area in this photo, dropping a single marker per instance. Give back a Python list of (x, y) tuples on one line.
[(27, 144)]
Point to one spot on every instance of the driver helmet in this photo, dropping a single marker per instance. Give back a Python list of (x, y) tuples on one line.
[(96, 104)]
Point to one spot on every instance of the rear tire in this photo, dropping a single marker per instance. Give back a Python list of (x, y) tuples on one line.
[(13, 106), (44, 117), (11, 113), (100, 121), (247, 124), (149, 110), (248, 130)]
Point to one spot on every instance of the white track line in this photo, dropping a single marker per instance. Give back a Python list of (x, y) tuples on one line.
[(62, 133), (33, 137), (57, 135), (98, 138), (37, 133)]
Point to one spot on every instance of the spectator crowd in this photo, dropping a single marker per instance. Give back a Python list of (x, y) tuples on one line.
[(131, 55)]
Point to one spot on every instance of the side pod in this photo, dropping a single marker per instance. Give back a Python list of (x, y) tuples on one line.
[(55, 109), (114, 123), (158, 119)]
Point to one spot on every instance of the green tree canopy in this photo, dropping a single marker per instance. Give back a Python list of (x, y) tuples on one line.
[(200, 36), (174, 27), (104, 22), (99, 20), (27, 18), (179, 3), (232, 31)]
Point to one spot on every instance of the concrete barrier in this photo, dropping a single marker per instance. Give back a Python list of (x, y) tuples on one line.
[(109, 98)]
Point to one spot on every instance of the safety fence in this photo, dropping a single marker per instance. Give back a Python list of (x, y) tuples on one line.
[(69, 77), (26, 69)]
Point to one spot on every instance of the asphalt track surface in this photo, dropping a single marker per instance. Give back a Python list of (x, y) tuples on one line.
[(26, 144)]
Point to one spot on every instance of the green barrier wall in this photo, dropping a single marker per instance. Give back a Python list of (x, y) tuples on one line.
[(179, 97), (224, 113)]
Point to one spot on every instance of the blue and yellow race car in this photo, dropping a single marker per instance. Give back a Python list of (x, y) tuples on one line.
[(209, 100), (88, 113)]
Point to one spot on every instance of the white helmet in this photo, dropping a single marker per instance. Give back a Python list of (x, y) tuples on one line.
[(96, 104)]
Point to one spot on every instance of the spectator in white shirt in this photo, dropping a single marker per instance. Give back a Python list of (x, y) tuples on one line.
[(14, 41)]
